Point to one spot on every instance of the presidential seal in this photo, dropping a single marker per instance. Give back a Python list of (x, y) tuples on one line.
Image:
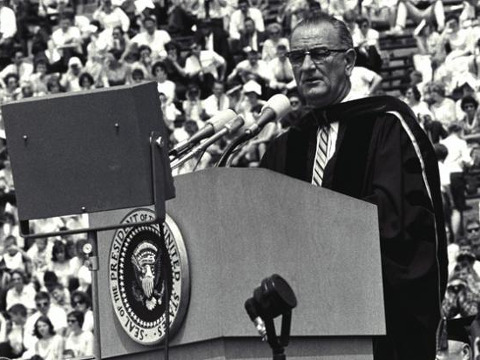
[(142, 267)]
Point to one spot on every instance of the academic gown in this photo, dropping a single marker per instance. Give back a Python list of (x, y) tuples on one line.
[(384, 157)]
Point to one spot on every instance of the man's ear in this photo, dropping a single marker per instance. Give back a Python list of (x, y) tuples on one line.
[(350, 57), (467, 352)]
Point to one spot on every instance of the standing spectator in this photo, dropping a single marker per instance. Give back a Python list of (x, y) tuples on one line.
[(45, 308), (78, 340), (81, 302), (442, 108), (8, 29), (214, 39), (155, 39), (65, 42), (110, 16), (49, 345), (237, 20), (164, 85), (275, 38), (18, 66), (22, 292), (204, 67), (216, 102)]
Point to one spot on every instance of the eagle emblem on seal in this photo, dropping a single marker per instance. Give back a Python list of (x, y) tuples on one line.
[(147, 266)]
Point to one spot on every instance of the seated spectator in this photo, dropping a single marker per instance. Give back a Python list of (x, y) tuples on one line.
[(81, 302), (70, 81), (26, 90), (365, 82), (18, 316), (430, 52), (169, 111), (420, 108), (61, 297), (382, 11), (164, 85), (118, 42), (204, 67), (45, 308), (138, 76), (86, 81), (429, 11), (216, 102), (252, 91), (18, 66), (145, 61), (60, 263), (150, 36), (110, 16), (442, 108), (12, 90), (39, 78), (175, 68), (250, 69), (462, 296), (8, 30), (14, 257), (270, 46), (465, 258), (192, 106), (65, 42), (237, 20), (22, 292), (298, 110), (472, 231), (78, 340), (367, 46), (250, 39), (215, 39), (49, 345), (213, 11), (470, 121), (116, 71), (41, 255), (54, 86), (281, 72), (338, 8), (95, 67)]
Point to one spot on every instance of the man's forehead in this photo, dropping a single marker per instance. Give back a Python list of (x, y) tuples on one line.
[(315, 35)]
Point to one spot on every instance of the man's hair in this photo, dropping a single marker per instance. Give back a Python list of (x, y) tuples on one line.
[(468, 100), (441, 151), (42, 295), (318, 18), (18, 309)]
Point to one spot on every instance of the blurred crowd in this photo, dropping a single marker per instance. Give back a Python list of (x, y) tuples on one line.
[(207, 56)]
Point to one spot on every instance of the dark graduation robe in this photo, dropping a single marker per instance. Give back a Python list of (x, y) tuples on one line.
[(384, 157)]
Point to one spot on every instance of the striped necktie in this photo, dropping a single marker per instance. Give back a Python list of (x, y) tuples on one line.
[(320, 155)]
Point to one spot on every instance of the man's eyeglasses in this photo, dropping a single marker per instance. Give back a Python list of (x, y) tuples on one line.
[(317, 54)]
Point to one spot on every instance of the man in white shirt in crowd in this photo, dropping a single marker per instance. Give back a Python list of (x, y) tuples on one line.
[(251, 69), (364, 82), (56, 314), (204, 67), (21, 292), (8, 29), (216, 102), (237, 20), (65, 42), (281, 71), (152, 37), (18, 66)]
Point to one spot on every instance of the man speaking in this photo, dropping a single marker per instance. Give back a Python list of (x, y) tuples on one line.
[(371, 149)]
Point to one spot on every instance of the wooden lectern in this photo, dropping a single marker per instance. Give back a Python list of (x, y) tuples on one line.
[(242, 225)]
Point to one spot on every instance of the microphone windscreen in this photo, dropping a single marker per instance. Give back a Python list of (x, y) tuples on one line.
[(221, 119), (280, 105)]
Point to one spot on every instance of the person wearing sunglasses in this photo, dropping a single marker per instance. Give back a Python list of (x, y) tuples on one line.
[(81, 302), (78, 340), (371, 149)]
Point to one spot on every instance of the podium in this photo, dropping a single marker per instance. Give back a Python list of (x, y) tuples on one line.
[(242, 225)]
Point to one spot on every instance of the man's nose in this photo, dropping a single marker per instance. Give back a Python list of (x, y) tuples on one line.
[(307, 62)]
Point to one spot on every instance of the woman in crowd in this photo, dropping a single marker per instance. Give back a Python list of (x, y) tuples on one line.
[(413, 99), (275, 38), (442, 108), (470, 121), (165, 86), (12, 91), (116, 71), (78, 340), (39, 78), (53, 85), (60, 264), (86, 81), (81, 302), (49, 345)]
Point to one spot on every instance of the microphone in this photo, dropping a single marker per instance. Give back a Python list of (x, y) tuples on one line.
[(276, 107), (211, 127), (251, 309), (229, 128)]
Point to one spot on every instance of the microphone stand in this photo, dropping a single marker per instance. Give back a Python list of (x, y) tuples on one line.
[(223, 161), (278, 344)]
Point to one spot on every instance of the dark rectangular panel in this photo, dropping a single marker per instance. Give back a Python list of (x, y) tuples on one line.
[(84, 150)]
